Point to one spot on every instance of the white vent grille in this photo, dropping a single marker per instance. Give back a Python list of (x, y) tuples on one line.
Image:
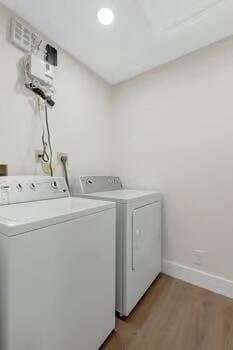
[(21, 35)]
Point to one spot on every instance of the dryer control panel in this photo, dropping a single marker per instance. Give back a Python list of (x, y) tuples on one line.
[(19, 189), (91, 184)]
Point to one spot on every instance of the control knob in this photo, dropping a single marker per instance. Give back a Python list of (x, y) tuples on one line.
[(33, 186), (90, 182), (19, 188), (54, 185)]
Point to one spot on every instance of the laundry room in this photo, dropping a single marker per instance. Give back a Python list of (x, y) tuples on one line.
[(116, 199)]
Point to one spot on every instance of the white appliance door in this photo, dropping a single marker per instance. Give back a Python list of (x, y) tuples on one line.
[(145, 252)]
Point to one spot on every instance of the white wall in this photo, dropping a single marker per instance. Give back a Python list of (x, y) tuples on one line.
[(80, 122), (174, 132)]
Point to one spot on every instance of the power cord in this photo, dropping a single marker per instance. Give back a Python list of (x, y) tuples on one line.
[(49, 141), (44, 156), (64, 160)]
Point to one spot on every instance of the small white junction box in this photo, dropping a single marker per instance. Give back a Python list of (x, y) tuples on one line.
[(41, 70)]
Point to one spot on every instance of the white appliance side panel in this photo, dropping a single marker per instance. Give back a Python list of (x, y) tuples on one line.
[(4, 291), (120, 256), (143, 255), (62, 285)]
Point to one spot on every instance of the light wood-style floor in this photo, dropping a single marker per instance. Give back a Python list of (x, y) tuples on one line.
[(174, 315)]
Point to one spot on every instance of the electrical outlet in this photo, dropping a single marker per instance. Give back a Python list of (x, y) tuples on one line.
[(59, 155), (38, 154), (198, 257), (3, 169)]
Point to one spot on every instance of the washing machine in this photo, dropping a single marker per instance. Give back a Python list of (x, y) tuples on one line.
[(138, 236), (57, 266)]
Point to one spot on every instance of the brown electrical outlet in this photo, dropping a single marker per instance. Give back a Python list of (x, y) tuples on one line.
[(3, 170)]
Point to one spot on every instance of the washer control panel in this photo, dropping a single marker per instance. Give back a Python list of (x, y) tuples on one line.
[(19, 189), (91, 184)]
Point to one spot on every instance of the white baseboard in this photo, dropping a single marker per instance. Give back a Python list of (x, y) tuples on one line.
[(199, 278)]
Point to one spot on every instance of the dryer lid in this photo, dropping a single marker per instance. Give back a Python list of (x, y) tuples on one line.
[(110, 188), (125, 196)]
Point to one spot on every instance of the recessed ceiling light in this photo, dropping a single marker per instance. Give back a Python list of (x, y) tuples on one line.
[(105, 16)]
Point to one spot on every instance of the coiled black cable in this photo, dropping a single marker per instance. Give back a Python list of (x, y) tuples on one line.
[(49, 141)]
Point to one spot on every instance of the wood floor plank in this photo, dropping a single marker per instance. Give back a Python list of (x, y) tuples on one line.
[(174, 315)]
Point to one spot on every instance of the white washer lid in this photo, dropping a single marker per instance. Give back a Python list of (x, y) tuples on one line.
[(124, 196), (24, 217)]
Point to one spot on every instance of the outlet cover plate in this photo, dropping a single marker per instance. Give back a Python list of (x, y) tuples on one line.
[(38, 153), (198, 257)]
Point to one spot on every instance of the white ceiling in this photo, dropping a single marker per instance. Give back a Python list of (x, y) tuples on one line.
[(145, 34)]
